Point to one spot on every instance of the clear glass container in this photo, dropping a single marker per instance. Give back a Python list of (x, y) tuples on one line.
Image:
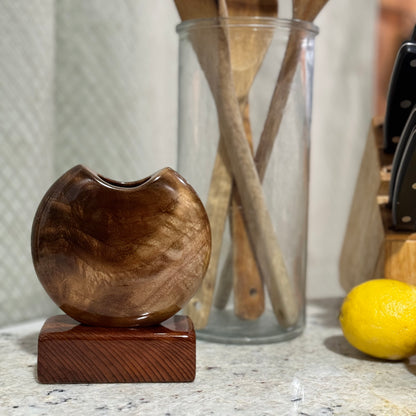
[(245, 101)]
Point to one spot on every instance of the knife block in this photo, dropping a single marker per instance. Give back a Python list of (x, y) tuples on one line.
[(371, 247)]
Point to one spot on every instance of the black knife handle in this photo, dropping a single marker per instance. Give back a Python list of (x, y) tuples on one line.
[(401, 146), (402, 94), (404, 195)]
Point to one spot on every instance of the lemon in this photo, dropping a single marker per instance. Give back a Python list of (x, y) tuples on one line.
[(378, 317)]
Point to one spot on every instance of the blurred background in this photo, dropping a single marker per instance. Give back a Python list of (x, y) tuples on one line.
[(95, 82)]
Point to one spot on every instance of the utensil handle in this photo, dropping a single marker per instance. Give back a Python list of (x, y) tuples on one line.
[(257, 219), (217, 208), (247, 282), (278, 103)]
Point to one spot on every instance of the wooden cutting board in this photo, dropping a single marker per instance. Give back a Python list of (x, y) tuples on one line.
[(364, 233)]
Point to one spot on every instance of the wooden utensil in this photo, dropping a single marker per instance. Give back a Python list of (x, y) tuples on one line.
[(215, 60), (306, 10), (258, 222), (247, 52), (196, 9)]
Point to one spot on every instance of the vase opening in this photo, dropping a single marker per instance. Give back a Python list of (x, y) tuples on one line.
[(120, 184)]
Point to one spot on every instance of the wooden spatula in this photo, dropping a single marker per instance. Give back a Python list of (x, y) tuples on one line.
[(306, 10), (247, 52)]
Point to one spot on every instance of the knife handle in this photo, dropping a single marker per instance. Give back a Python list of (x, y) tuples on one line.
[(400, 150), (404, 195), (402, 94)]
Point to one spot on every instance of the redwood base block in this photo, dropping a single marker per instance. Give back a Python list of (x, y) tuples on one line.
[(69, 352)]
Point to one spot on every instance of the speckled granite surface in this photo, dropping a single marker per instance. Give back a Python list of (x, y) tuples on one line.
[(317, 373)]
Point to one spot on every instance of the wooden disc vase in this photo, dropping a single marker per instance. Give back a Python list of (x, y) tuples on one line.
[(119, 255)]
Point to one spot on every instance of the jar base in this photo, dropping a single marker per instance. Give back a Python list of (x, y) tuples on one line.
[(225, 328)]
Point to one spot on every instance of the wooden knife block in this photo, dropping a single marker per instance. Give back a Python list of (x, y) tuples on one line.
[(371, 248)]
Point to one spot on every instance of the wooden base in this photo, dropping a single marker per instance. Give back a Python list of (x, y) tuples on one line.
[(69, 352)]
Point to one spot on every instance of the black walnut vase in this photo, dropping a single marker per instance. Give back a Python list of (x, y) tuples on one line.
[(120, 259)]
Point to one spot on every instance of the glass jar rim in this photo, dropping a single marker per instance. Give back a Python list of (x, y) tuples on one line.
[(255, 22)]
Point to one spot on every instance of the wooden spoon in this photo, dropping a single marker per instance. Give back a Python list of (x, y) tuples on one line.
[(247, 54), (306, 10), (214, 58)]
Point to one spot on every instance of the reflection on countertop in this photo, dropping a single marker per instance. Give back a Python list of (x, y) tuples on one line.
[(318, 373)]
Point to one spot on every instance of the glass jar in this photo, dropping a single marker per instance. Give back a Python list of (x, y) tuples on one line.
[(245, 100)]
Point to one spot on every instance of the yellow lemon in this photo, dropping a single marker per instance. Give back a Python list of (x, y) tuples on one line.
[(378, 317)]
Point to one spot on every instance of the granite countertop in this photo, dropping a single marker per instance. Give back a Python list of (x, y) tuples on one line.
[(318, 373)]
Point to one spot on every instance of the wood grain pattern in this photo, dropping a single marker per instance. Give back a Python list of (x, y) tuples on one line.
[(196, 9), (120, 254), (252, 7), (400, 259), (69, 352), (247, 282), (398, 251)]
